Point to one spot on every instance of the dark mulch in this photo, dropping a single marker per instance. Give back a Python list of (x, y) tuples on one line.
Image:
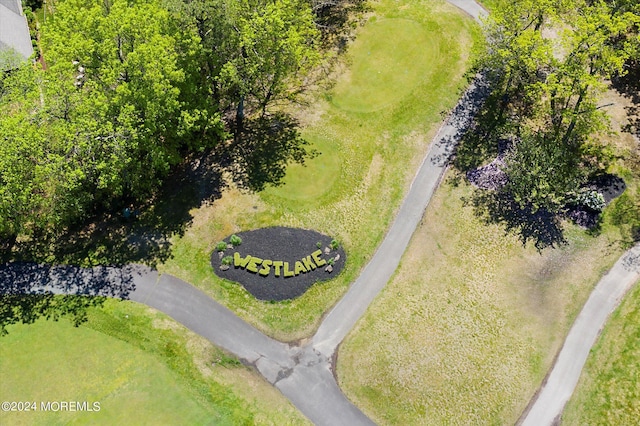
[(583, 216), (491, 176), (610, 186), (284, 244)]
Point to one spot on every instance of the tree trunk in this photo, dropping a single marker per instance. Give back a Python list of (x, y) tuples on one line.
[(239, 125)]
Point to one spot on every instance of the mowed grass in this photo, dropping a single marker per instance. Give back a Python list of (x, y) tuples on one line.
[(311, 184), (386, 56), (467, 328), (372, 131), (608, 392), (142, 367)]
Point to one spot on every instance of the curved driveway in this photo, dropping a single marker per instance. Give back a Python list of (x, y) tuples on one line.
[(563, 378)]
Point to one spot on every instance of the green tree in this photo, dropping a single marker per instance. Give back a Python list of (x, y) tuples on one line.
[(257, 53), (115, 109), (547, 89), (121, 93)]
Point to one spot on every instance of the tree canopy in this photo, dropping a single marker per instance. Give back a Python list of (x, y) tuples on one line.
[(130, 88), (548, 62)]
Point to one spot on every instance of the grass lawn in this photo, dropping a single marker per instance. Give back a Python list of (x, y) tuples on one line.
[(608, 392), (404, 69), (142, 367), (465, 331)]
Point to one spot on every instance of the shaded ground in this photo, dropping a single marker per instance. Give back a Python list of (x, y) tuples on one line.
[(281, 244), (128, 232)]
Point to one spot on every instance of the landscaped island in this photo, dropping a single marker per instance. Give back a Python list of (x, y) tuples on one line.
[(278, 263)]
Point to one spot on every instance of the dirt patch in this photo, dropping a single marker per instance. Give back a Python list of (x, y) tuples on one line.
[(279, 263)]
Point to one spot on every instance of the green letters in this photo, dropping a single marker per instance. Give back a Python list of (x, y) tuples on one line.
[(277, 265), (252, 266), (239, 262), (265, 267), (304, 265), (287, 272), (308, 264), (316, 257), (299, 268)]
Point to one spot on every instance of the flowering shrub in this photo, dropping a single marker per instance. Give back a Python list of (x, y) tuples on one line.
[(591, 199)]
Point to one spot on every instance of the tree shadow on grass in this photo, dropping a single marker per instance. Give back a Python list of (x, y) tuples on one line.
[(29, 291), (335, 18), (628, 86), (129, 234), (267, 146), (540, 227)]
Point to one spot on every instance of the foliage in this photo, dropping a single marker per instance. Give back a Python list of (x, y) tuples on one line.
[(335, 244), (132, 88), (227, 260), (105, 122), (131, 120), (625, 213), (592, 199), (221, 246), (235, 240), (255, 53), (545, 92)]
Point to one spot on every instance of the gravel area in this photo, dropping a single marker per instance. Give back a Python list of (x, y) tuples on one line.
[(292, 251)]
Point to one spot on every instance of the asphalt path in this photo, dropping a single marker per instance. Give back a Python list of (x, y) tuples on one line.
[(303, 374), (386, 259), (561, 381), (474, 9)]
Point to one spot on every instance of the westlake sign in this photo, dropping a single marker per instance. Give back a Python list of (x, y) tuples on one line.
[(278, 263), (251, 263)]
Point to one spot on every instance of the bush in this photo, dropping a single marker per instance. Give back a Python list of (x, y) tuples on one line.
[(591, 199), (221, 246), (319, 244), (227, 260), (235, 240), (334, 244)]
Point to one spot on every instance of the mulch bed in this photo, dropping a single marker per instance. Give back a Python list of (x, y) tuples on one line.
[(610, 186), (279, 244)]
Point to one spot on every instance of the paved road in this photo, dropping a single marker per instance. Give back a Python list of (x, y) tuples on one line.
[(564, 376), (471, 7), (377, 272)]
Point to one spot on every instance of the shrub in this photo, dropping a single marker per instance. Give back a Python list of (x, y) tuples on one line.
[(235, 240), (331, 261), (227, 260), (334, 244), (591, 199), (221, 246), (319, 244)]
